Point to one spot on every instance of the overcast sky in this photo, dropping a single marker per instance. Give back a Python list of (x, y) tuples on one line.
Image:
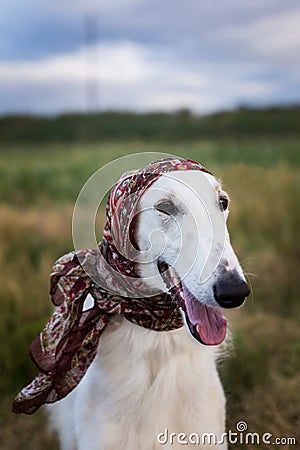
[(148, 54)]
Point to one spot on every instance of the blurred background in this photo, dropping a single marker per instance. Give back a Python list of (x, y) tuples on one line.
[(85, 82)]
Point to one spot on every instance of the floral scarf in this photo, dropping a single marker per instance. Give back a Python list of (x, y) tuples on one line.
[(68, 344)]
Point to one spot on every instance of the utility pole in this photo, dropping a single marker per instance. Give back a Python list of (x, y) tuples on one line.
[(91, 51)]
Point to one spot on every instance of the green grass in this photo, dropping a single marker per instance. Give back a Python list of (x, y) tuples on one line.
[(38, 187), (56, 172)]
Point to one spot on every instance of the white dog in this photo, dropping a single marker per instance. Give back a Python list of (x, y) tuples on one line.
[(145, 387)]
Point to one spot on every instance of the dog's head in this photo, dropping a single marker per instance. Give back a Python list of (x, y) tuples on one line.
[(172, 214), (181, 233)]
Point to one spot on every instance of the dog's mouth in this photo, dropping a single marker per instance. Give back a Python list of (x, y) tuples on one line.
[(206, 323)]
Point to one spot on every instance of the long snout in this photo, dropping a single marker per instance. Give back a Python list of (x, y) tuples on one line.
[(230, 291)]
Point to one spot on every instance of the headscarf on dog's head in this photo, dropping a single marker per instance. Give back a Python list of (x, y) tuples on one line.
[(68, 344)]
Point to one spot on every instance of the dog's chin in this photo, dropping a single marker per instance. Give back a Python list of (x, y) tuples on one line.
[(205, 323)]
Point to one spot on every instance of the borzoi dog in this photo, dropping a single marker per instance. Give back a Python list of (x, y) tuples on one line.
[(149, 389)]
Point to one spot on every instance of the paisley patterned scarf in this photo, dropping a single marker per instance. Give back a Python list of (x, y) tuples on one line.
[(68, 344)]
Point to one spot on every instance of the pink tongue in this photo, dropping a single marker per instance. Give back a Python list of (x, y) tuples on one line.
[(210, 322)]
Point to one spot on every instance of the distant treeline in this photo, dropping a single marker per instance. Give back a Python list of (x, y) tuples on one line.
[(181, 125)]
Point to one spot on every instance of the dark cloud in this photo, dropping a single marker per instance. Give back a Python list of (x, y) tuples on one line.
[(34, 29), (196, 53)]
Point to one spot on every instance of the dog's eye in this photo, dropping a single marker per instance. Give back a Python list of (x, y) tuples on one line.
[(166, 207), (223, 202)]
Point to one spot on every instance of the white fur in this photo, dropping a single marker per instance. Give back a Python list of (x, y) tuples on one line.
[(143, 381)]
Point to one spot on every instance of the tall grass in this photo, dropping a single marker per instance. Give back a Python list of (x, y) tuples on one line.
[(38, 188)]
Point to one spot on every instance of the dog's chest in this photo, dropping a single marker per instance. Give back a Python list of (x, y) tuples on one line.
[(144, 381)]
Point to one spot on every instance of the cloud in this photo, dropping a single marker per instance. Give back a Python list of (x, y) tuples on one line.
[(148, 54), (35, 29), (126, 76), (275, 38)]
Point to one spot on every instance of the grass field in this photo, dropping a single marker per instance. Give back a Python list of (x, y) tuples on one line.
[(38, 188)]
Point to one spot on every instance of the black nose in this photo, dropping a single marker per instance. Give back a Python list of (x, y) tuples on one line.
[(229, 294)]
